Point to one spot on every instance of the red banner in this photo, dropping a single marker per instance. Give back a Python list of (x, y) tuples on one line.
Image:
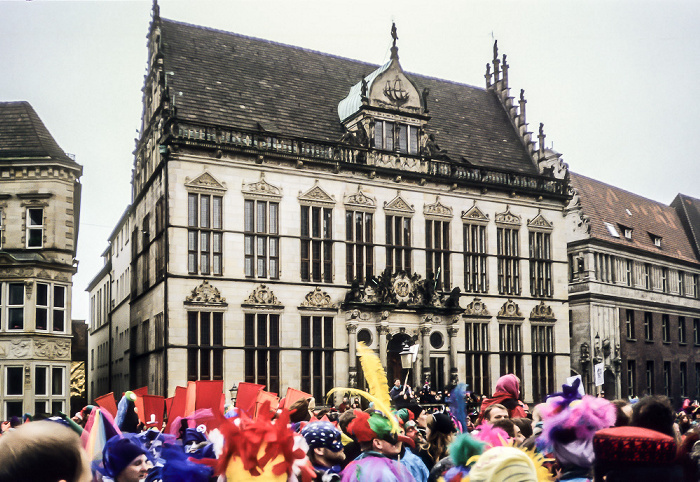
[(153, 406), (246, 396), (178, 406), (209, 395), (107, 402)]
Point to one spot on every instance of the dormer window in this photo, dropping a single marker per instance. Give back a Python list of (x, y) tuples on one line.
[(626, 232), (385, 135), (408, 139), (656, 240)]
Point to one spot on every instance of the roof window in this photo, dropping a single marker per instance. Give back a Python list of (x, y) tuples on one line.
[(656, 240), (626, 232), (611, 229)]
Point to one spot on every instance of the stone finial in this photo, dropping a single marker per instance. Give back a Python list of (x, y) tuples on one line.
[(495, 50), (541, 138), (521, 107), (505, 72), (155, 12), (487, 76)]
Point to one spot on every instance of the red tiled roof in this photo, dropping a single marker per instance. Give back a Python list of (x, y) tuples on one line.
[(603, 203)]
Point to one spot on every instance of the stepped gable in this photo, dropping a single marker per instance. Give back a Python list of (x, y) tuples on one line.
[(23, 135), (605, 203), (232, 80), (688, 208)]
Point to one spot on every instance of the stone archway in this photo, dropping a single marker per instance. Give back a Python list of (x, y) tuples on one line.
[(609, 384), (393, 359)]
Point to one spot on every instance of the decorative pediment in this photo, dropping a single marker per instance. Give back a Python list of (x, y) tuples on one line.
[(398, 206), (508, 217), (204, 182), (360, 200), (510, 309), (542, 312), (205, 294), (437, 209), (540, 223), (477, 308), (317, 299), (262, 189), (263, 295), (474, 215), (316, 195)]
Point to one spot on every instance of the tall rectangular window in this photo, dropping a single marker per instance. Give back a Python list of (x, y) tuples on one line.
[(205, 234), (398, 243), (475, 259), (629, 272), (683, 379), (667, 378), (35, 227), (664, 280), (316, 244), (540, 264), (359, 247), (508, 261), (42, 307), (146, 255), (696, 331), (681, 283), (317, 355), (261, 336), (15, 306), (511, 349), (261, 248), (648, 326), (384, 135), (542, 361), (477, 357), (59, 309), (665, 328), (205, 345), (696, 286), (58, 381), (631, 378), (681, 330), (647, 277), (14, 381), (408, 139), (650, 377), (41, 386), (629, 324), (437, 252)]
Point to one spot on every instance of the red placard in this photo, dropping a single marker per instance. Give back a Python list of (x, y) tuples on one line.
[(107, 402)]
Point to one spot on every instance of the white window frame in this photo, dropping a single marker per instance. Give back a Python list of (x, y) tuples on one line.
[(46, 382), (7, 378), (34, 227), (63, 382), (7, 307)]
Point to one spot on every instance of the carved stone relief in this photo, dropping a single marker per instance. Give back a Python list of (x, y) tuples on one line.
[(539, 222), (508, 217), (437, 209), (360, 199), (317, 299), (398, 205), (477, 308), (261, 188), (205, 182), (474, 214), (510, 310), (542, 312), (206, 293), (262, 295), (19, 348), (52, 349), (316, 195)]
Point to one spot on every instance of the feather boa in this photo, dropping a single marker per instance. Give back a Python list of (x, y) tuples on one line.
[(580, 420), (458, 406)]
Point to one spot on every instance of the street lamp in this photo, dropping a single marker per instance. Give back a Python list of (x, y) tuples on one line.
[(408, 358), (234, 392)]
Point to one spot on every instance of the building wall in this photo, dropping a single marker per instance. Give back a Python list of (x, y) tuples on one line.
[(35, 357)]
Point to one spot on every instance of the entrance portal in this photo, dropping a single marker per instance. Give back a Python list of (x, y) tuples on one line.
[(393, 359)]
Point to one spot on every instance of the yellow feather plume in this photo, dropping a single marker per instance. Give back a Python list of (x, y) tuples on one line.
[(377, 382)]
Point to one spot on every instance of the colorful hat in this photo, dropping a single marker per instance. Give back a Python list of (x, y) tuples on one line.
[(322, 435), (634, 444), (118, 453), (365, 427), (506, 463)]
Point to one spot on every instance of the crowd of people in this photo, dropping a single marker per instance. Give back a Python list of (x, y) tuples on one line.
[(383, 435)]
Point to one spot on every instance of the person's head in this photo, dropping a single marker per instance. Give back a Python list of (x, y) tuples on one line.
[(623, 412), (509, 384), (419, 415), (374, 432), (525, 426), (397, 383), (654, 412), (124, 460), (323, 439), (43, 452), (495, 412)]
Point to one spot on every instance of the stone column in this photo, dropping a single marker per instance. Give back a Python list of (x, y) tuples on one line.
[(425, 330), (352, 352), (452, 331), (383, 330)]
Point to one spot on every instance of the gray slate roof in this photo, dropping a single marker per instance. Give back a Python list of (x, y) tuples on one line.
[(235, 81), (23, 135)]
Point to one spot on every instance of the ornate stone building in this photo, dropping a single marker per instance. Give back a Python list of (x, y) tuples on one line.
[(288, 204), (39, 213), (634, 291)]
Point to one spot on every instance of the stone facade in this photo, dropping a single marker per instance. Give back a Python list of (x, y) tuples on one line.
[(39, 209), (266, 244)]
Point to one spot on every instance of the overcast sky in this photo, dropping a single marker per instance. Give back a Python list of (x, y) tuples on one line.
[(615, 83)]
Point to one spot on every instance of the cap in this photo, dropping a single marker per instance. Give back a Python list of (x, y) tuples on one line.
[(322, 435)]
